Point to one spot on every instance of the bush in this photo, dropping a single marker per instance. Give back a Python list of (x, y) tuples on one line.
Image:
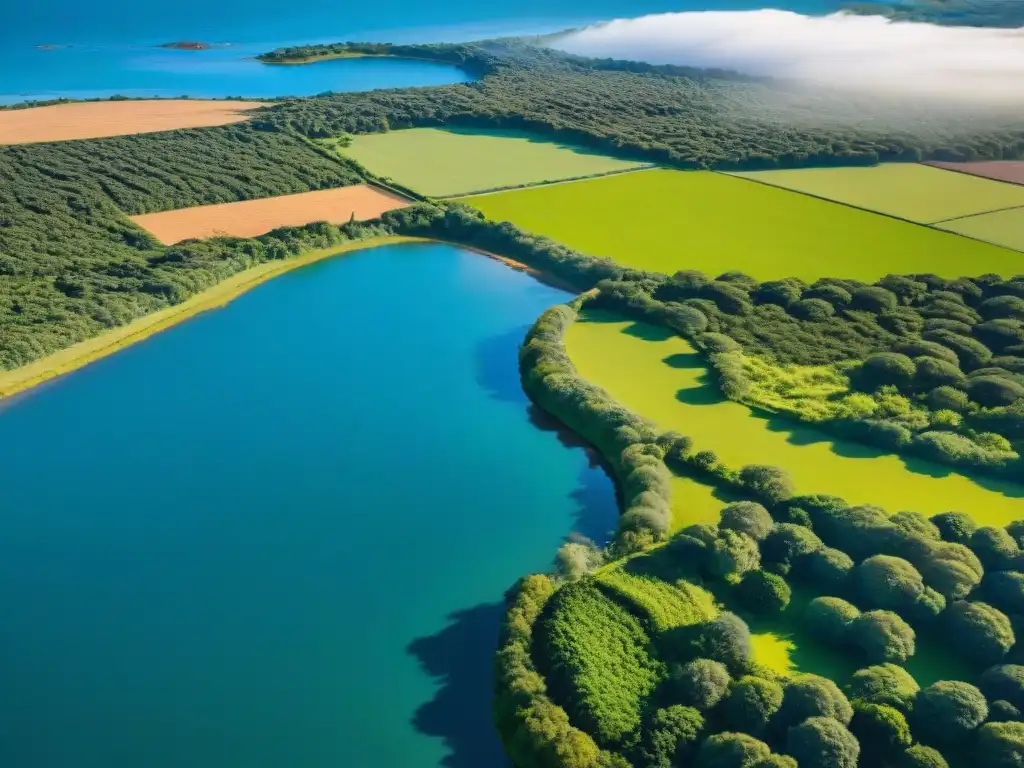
[(917, 348), (920, 756), (726, 638), (781, 292), (766, 482), (764, 592), (747, 517), (1006, 682), (882, 730), (776, 761), (701, 684), (829, 618), (883, 637), (956, 527), (971, 353), (1000, 745), (671, 736), (812, 696), (888, 582), (952, 569), (871, 298), (731, 750), (835, 295), (884, 368), (994, 391), (999, 334), (885, 684), (995, 548), (1002, 306), (786, 543), (821, 742), (1004, 590), (815, 310), (1003, 712), (932, 372), (827, 569), (713, 343), (732, 554), (979, 631), (916, 524), (859, 531), (751, 704), (948, 399), (947, 713)]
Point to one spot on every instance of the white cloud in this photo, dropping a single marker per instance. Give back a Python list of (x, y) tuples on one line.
[(867, 53)]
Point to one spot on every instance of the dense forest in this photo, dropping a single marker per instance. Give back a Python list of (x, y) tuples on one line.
[(1007, 14)]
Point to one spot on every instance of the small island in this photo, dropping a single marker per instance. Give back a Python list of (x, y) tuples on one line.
[(186, 45)]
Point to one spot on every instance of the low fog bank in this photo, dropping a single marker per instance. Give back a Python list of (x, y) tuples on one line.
[(958, 67)]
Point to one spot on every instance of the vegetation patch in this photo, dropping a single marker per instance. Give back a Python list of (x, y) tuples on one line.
[(1011, 171), (906, 190), (1005, 228), (664, 221), (445, 162)]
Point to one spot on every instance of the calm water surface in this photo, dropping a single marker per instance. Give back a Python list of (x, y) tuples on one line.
[(278, 535)]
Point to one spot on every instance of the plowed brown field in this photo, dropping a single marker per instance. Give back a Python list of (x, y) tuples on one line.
[(97, 119), (256, 217), (1000, 170)]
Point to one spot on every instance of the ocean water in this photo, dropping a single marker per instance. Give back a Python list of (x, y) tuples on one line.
[(279, 534), (63, 48)]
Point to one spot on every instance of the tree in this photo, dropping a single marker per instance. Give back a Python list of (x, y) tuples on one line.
[(885, 368), (920, 756), (946, 713), (995, 547), (829, 618), (764, 592), (979, 631), (932, 373), (1000, 711), (883, 637), (956, 527), (882, 730), (827, 569), (948, 398), (1005, 682), (732, 554), (700, 684), (821, 742), (731, 750), (812, 696), (888, 582), (994, 391), (952, 569), (747, 517), (885, 684), (575, 559), (726, 638), (671, 737), (786, 543), (1001, 745), (767, 482), (751, 704), (776, 761)]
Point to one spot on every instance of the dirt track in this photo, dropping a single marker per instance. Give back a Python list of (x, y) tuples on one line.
[(1000, 170), (93, 120), (256, 217)]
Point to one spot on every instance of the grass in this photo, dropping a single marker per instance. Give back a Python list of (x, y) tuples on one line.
[(442, 162), (664, 221), (658, 604), (638, 366), (1005, 228), (906, 190)]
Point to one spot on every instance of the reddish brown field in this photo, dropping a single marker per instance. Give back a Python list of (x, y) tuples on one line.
[(256, 217), (94, 120), (999, 170)]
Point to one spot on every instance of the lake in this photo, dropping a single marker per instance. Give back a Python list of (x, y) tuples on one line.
[(279, 533)]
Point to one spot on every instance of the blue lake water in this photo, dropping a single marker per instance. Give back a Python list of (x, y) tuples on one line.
[(278, 534)]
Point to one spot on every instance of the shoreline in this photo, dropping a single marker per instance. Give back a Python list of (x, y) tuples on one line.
[(20, 380)]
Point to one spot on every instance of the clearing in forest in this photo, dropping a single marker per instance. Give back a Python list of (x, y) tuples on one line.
[(665, 221), (1011, 171), (906, 190), (444, 162), (99, 119), (250, 218), (1004, 228), (659, 375)]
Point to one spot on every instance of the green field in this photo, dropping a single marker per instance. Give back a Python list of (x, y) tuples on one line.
[(441, 162), (670, 220), (1004, 228), (660, 376), (906, 190)]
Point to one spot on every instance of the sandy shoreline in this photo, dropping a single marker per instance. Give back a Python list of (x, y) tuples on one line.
[(81, 354)]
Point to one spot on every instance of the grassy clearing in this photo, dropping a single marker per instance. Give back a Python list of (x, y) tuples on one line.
[(1004, 228), (913, 192), (660, 376), (658, 604), (669, 220), (695, 502), (451, 161)]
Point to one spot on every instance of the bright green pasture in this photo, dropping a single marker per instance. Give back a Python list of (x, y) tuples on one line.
[(1002, 227), (449, 161), (907, 190), (660, 376), (670, 220)]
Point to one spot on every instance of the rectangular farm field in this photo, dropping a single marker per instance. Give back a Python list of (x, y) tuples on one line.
[(1011, 171), (1001, 227)]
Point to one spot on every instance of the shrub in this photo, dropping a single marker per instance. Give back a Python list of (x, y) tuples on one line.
[(732, 554), (672, 734), (726, 638), (812, 696), (859, 531), (1004, 590), (952, 569), (946, 713), (781, 292), (932, 372), (886, 684), (917, 348), (701, 684), (727, 296), (1002, 306), (764, 592), (994, 547), (999, 334), (994, 391), (916, 524), (731, 750), (747, 517), (970, 352), (884, 368), (751, 704), (786, 543), (815, 310), (829, 618), (888, 582), (827, 569), (835, 295), (821, 742), (776, 761), (872, 298), (920, 756), (882, 730), (1006, 682), (979, 631), (948, 399), (1001, 745), (883, 637), (713, 343), (956, 527), (766, 482), (1003, 712)]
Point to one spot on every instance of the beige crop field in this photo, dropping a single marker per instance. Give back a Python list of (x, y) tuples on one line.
[(98, 119), (250, 218)]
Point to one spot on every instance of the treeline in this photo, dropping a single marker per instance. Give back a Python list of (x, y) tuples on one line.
[(471, 59), (684, 118), (1007, 14)]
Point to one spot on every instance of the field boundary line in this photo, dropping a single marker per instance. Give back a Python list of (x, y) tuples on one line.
[(536, 184), (980, 213)]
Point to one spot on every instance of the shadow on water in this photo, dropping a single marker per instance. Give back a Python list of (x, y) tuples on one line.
[(497, 366)]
